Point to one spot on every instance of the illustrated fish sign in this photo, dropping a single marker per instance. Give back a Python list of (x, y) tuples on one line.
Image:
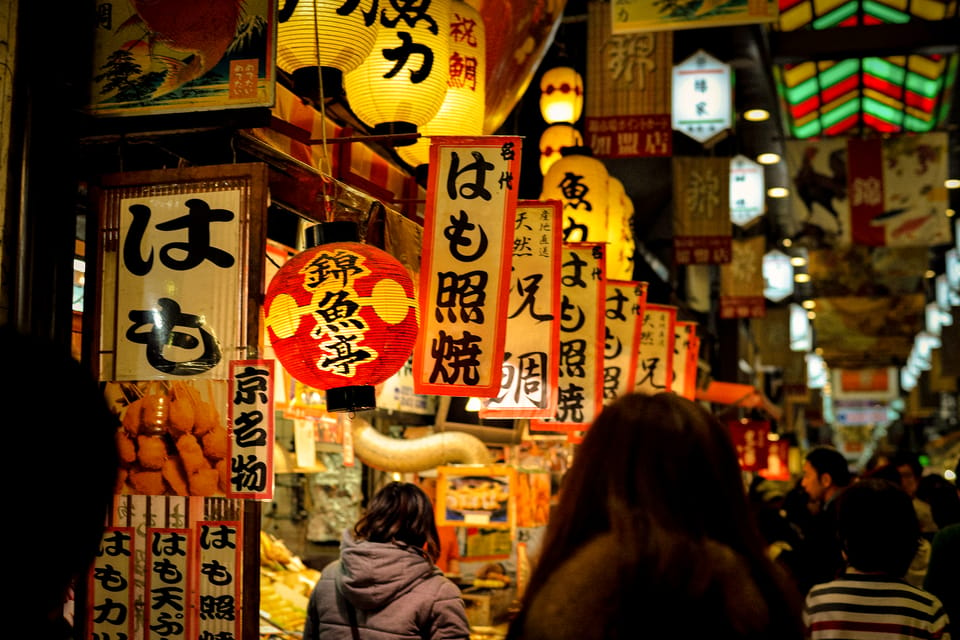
[(465, 272)]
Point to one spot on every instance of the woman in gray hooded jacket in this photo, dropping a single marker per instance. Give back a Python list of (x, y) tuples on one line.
[(385, 586)]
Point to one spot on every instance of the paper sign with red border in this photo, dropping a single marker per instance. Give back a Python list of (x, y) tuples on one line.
[(626, 302), (465, 268), (528, 387), (683, 333), (170, 563), (693, 360), (655, 364), (218, 596), (111, 585), (583, 286), (251, 429)]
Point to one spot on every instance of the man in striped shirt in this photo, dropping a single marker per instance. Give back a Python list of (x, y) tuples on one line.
[(879, 531)]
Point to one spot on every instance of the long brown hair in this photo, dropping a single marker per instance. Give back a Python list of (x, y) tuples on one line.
[(401, 511), (662, 473)]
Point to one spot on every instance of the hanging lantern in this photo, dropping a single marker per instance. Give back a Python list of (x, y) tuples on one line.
[(579, 181), (619, 239), (554, 138), (342, 316), (344, 33), (462, 111), (561, 95), (401, 84)]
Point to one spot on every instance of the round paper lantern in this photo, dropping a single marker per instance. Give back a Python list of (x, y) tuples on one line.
[(619, 235), (579, 181), (561, 95), (344, 39), (554, 138), (402, 83), (462, 110), (342, 317)]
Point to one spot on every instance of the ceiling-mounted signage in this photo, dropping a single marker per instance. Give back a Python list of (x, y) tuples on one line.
[(702, 100), (747, 191), (777, 276), (630, 16)]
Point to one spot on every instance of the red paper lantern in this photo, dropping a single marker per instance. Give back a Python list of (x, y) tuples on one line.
[(342, 317)]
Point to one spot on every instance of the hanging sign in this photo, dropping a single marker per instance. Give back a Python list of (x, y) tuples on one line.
[(176, 275), (170, 566), (465, 274), (643, 15), (655, 363), (111, 584), (626, 304), (750, 439), (777, 276), (581, 339), (778, 461), (741, 281), (628, 87), (701, 220), (684, 336), (747, 191), (702, 98), (693, 361), (528, 384), (219, 557), (250, 471)]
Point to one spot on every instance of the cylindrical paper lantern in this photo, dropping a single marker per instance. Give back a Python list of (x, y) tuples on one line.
[(462, 111), (554, 138), (620, 244), (342, 317), (344, 38), (402, 83), (561, 95), (579, 181)]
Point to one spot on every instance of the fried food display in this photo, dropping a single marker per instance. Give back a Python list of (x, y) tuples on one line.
[(172, 440)]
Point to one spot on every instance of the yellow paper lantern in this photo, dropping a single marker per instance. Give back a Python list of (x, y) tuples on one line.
[(561, 95), (619, 234), (402, 83), (579, 181), (462, 111), (344, 36), (552, 140)]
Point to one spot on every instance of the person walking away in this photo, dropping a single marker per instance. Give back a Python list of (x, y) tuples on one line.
[(879, 531), (385, 584), (826, 475), (941, 579), (653, 537)]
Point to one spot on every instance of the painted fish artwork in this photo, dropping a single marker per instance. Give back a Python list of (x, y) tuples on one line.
[(174, 56)]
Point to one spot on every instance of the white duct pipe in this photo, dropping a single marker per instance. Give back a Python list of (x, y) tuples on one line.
[(382, 452)]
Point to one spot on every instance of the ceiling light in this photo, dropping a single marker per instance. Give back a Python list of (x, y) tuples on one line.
[(930, 273), (818, 351), (787, 242), (952, 183), (801, 277), (798, 261), (808, 304), (778, 192), (756, 115), (951, 213), (811, 315), (768, 158)]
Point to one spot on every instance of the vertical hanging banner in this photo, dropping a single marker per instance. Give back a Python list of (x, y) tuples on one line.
[(110, 586), (741, 281), (581, 339), (219, 557), (531, 360), (169, 567), (701, 223), (249, 471), (655, 363), (628, 88), (750, 439), (684, 336), (693, 361), (625, 307), (465, 271)]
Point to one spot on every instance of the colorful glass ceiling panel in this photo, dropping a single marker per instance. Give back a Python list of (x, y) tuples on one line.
[(905, 93)]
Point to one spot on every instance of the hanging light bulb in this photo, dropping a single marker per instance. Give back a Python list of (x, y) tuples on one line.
[(402, 83), (561, 95), (328, 34), (462, 111)]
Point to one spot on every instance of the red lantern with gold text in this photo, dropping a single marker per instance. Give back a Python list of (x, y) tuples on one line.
[(342, 317)]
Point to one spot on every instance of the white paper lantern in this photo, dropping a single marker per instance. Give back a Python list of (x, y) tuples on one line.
[(402, 83)]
